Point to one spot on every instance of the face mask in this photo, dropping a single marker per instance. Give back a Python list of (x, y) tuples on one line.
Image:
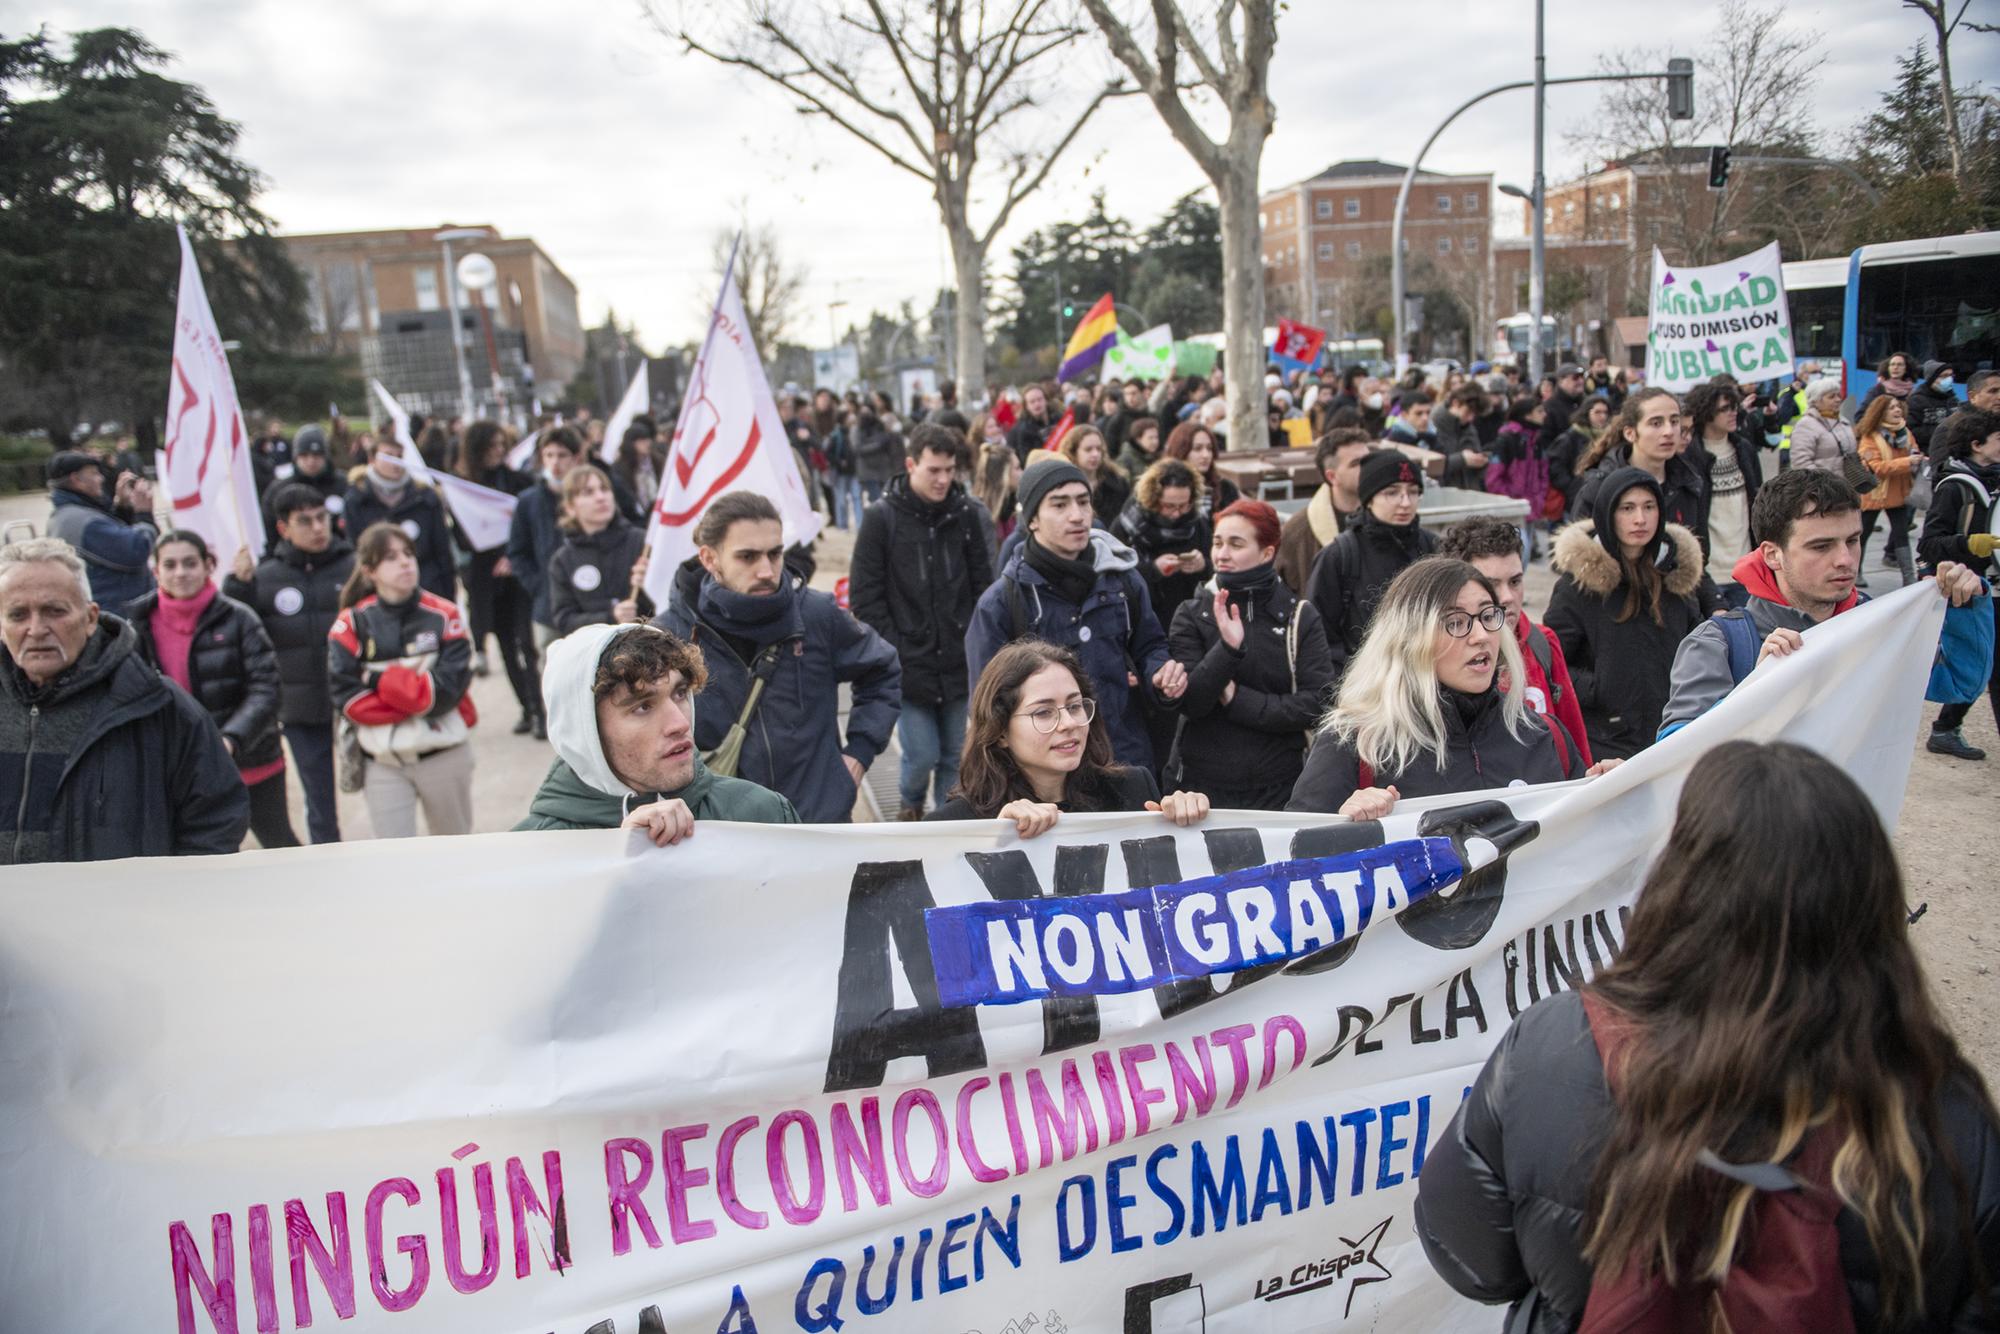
[(1373, 400), (1944, 381), (554, 482)]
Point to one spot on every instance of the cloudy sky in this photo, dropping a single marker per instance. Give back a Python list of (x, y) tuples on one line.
[(580, 125)]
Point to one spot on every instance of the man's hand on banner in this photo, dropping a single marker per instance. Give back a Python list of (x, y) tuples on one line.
[(665, 822), (1780, 643), (1958, 584), (1182, 808), (1030, 817), (1601, 768), (1371, 803)]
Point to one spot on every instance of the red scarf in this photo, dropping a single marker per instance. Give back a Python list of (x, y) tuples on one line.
[(174, 620)]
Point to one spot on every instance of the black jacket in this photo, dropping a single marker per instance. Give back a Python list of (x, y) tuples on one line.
[(1926, 409), (916, 573), (1152, 536), (1479, 754), (1255, 744), (1108, 497), (532, 542), (1961, 504), (420, 512), (1029, 435), (1502, 1199), (145, 774), (591, 572), (232, 672), (1622, 671), (332, 488), (1562, 457), (296, 595), (1349, 575)]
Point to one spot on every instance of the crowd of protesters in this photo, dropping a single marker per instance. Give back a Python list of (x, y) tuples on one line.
[(1209, 638), (1069, 603)]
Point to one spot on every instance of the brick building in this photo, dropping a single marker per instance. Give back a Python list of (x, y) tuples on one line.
[(1325, 237), (373, 292)]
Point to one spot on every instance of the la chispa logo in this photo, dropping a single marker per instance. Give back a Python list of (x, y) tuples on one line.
[(1356, 1266)]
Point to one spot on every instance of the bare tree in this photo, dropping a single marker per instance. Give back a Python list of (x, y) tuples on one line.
[(1236, 73), (770, 285), (935, 86), (1754, 82), (1934, 10)]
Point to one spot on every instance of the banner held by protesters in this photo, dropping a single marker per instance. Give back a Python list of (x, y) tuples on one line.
[(1722, 319), (789, 1076)]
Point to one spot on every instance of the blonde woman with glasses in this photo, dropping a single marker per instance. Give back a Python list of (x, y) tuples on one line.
[(1035, 747), (1430, 704)]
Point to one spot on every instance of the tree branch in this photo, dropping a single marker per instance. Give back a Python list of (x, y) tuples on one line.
[(1017, 192)]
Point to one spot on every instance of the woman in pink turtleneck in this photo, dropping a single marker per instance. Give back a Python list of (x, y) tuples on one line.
[(216, 649)]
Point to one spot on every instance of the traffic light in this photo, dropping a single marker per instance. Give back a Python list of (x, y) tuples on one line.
[(1680, 88), (1718, 167), (1069, 310)]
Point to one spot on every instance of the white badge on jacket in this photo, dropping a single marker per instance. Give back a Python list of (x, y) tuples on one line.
[(586, 578)]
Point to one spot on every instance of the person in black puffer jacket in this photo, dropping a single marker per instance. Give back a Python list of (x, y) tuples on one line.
[(920, 563), (1420, 711), (214, 647), (1767, 965), (384, 492), (1348, 576), (295, 591), (1165, 524), (1626, 595), (594, 575), (1258, 671), (1929, 404)]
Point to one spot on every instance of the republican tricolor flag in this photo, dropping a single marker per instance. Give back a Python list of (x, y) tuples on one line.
[(1096, 333)]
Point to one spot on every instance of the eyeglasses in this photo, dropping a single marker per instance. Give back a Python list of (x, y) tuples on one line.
[(1458, 624), (1048, 717)]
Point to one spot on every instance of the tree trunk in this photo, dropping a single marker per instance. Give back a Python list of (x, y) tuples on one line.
[(1243, 302), (1951, 136), (968, 261)]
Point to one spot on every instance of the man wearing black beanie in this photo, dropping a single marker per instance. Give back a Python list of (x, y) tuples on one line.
[(1349, 575), (1078, 587)]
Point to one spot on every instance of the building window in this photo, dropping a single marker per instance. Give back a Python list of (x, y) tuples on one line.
[(1472, 203), (1471, 245), (427, 288), (1444, 245), (1548, 214), (1352, 208), (1326, 250), (1354, 250), (1617, 201), (1444, 203), (1569, 207), (1322, 208)]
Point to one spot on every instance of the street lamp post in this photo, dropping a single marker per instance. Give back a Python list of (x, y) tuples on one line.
[(1680, 102), (445, 238)]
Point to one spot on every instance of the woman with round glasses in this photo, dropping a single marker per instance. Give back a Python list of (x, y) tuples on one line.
[(1034, 748), (1421, 710)]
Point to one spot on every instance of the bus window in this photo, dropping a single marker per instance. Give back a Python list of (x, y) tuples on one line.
[(1938, 310), (1817, 320)]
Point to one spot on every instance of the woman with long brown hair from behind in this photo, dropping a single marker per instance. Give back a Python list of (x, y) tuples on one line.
[(1767, 1008)]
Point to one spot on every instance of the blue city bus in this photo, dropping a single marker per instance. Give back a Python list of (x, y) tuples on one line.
[(1936, 300)]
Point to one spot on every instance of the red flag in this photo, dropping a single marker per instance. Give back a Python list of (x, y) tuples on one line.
[(1299, 342), (1055, 437)]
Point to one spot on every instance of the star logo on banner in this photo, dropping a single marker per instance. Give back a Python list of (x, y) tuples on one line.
[(1366, 1242)]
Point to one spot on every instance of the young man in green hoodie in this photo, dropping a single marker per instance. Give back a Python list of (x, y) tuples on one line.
[(620, 701)]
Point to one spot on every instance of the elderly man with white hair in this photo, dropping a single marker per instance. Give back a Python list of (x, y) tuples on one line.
[(100, 756), (1820, 438)]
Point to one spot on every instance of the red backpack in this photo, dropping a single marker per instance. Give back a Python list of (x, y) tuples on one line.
[(1790, 1277)]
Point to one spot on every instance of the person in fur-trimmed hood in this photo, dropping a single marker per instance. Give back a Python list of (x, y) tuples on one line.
[(1625, 597)]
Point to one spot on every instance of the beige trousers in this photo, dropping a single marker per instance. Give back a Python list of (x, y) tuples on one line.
[(441, 782)]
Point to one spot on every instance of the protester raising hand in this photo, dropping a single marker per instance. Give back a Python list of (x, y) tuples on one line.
[(1228, 621), (244, 567)]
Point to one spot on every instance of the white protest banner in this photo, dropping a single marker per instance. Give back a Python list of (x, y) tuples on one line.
[(553, 1083), (1729, 317), (728, 438), (210, 482), (1146, 356), (637, 397), (484, 515)]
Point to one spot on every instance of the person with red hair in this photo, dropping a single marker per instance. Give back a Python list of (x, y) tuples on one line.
[(1258, 667)]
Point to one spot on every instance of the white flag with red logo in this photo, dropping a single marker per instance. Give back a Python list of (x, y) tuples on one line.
[(208, 477), (728, 439)]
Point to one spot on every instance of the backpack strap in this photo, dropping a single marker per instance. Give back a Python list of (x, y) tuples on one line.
[(1741, 639), (1016, 616), (1538, 644), (1347, 560)]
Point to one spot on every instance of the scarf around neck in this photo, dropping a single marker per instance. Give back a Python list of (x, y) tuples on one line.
[(761, 618), (1072, 579)]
